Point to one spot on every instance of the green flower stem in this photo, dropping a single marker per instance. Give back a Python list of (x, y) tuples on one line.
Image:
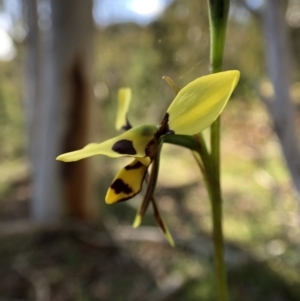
[(202, 149), (218, 14), (210, 162), (212, 181), (181, 140)]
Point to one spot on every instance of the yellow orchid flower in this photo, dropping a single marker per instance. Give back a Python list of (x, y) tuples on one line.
[(194, 108)]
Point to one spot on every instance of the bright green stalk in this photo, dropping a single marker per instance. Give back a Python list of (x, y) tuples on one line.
[(210, 162), (218, 13), (182, 140)]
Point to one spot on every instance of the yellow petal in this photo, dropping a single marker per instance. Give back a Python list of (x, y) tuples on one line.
[(199, 103), (131, 143), (127, 183), (124, 98)]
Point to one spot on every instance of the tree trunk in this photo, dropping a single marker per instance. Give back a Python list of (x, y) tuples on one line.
[(32, 73), (282, 110), (62, 112)]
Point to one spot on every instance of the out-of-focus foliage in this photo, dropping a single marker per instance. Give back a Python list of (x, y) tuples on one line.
[(11, 111), (12, 131)]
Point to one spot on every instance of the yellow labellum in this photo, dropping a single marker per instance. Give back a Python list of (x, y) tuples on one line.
[(200, 102), (127, 183)]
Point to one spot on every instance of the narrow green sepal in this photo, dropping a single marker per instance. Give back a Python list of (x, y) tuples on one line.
[(162, 225)]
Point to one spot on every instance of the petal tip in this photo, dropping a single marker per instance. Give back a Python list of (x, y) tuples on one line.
[(137, 221), (169, 238), (61, 158), (109, 200)]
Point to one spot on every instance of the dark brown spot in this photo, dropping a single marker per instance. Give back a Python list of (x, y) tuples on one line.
[(120, 186), (127, 126), (136, 165), (164, 127), (124, 147), (151, 148)]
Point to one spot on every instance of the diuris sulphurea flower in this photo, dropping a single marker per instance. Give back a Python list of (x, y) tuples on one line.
[(195, 107)]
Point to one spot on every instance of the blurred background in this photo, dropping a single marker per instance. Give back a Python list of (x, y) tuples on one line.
[(61, 65)]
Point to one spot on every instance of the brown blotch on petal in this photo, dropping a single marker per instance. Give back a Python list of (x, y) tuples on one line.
[(137, 165), (120, 186), (127, 126), (124, 147)]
